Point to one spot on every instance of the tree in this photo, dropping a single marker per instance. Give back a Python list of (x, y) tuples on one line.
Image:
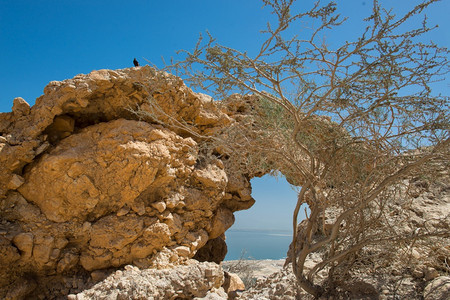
[(349, 121)]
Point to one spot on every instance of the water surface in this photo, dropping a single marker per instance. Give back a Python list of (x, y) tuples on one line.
[(257, 244)]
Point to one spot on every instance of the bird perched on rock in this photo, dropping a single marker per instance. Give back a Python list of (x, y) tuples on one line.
[(135, 62)]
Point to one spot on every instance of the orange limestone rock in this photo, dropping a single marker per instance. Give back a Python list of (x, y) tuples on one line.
[(105, 170)]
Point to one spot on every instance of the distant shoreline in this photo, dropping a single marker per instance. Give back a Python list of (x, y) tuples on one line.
[(258, 230), (257, 244), (255, 260)]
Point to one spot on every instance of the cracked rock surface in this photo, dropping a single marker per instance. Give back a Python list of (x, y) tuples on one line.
[(92, 177)]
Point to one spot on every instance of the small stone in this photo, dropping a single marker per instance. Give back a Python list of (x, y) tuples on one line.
[(430, 274), (173, 257), (81, 297), (415, 254), (183, 251), (43, 246), (24, 242), (118, 274), (20, 107), (123, 211), (71, 297), (172, 202), (15, 182), (233, 283), (42, 148), (131, 268), (160, 206), (138, 207), (168, 216)]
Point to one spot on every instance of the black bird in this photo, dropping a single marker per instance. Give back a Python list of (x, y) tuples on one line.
[(136, 63)]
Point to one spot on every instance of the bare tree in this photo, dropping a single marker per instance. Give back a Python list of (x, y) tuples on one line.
[(348, 122)]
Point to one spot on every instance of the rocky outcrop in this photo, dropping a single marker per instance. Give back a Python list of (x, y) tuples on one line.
[(108, 169), (191, 281), (115, 169)]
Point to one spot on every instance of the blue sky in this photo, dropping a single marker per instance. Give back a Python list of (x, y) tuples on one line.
[(45, 40)]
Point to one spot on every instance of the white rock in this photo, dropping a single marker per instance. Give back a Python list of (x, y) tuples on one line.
[(188, 281), (160, 206), (183, 251)]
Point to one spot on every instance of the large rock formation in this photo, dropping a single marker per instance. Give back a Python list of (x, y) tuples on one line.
[(120, 169), (107, 169)]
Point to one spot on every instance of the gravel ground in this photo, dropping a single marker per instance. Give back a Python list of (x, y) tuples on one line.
[(256, 268)]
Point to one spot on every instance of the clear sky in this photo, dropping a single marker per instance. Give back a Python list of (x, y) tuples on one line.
[(47, 40)]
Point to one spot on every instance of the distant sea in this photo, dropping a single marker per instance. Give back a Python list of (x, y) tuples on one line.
[(257, 244)]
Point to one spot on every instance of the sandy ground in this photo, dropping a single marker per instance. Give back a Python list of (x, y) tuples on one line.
[(258, 268)]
